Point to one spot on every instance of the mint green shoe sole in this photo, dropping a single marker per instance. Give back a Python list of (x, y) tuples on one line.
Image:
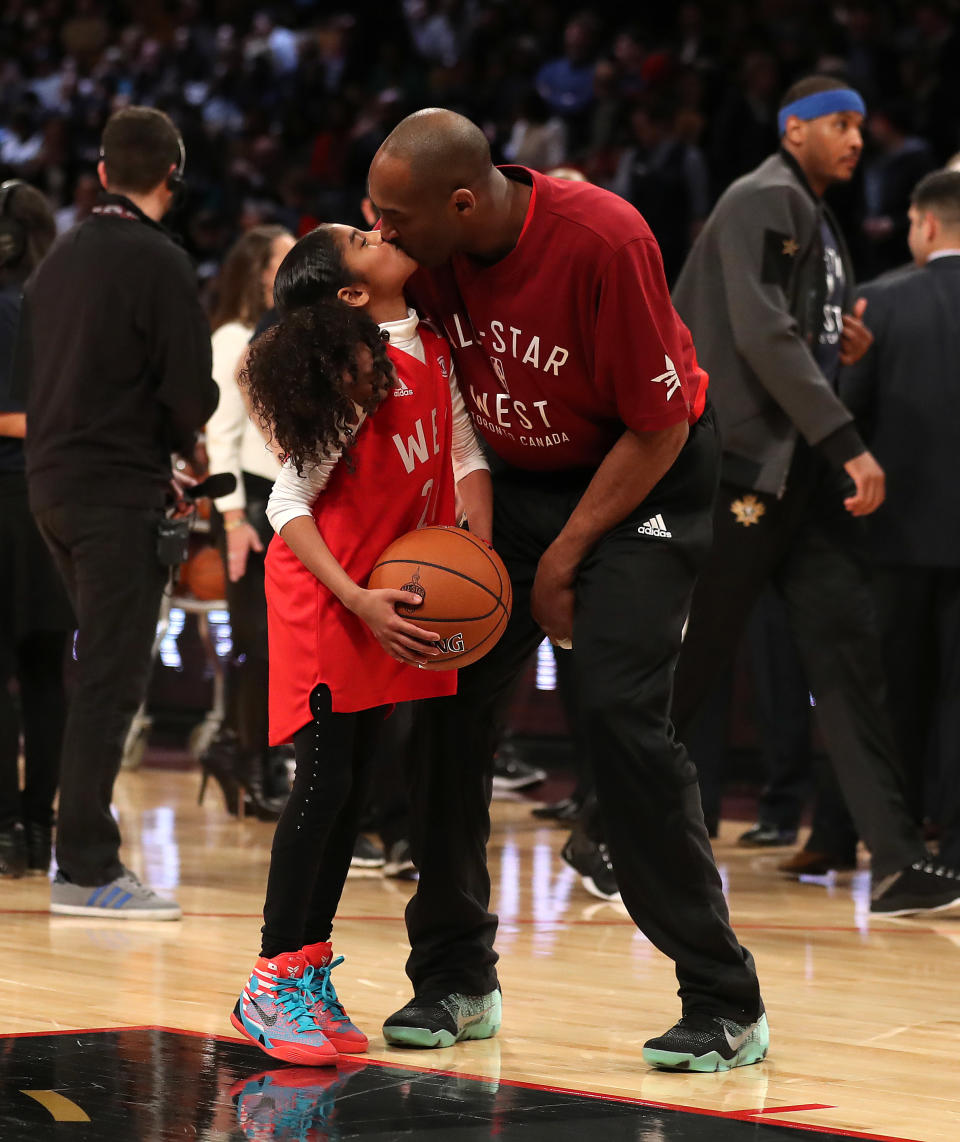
[(423, 1037), (672, 1061), (753, 1051)]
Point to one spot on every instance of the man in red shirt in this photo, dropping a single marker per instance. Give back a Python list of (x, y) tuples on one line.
[(584, 384)]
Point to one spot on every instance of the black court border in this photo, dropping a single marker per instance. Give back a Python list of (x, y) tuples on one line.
[(768, 1115)]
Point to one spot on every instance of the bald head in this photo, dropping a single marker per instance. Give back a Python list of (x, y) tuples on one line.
[(439, 148), (434, 186)]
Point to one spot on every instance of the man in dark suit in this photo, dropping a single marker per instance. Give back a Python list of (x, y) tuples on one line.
[(906, 393)]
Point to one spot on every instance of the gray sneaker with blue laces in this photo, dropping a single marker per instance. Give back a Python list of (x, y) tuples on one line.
[(124, 898)]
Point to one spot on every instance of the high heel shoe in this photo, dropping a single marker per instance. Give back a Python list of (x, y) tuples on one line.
[(249, 776), (220, 760), (229, 787), (239, 773)]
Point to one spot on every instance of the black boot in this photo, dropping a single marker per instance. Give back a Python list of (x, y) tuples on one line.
[(13, 851), (39, 848), (276, 772)]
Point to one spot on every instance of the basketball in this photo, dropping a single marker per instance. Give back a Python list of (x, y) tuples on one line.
[(464, 585), (203, 575)]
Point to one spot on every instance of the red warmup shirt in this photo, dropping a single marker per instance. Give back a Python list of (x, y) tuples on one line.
[(402, 479), (569, 338)]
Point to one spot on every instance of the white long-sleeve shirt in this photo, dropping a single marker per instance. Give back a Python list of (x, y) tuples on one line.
[(294, 495), (234, 443)]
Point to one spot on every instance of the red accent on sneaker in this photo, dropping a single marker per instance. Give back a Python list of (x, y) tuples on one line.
[(322, 1056), (288, 965), (317, 955), (345, 1036)]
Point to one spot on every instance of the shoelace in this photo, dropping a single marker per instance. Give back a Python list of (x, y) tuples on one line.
[(290, 994), (929, 867), (135, 886), (326, 993)]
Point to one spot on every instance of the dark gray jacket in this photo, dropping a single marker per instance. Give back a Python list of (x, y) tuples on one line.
[(905, 392), (752, 292)]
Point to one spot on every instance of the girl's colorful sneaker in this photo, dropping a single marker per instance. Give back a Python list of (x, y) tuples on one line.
[(273, 1011), (326, 1008)]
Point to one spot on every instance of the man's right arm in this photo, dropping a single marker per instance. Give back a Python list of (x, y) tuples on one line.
[(180, 350)]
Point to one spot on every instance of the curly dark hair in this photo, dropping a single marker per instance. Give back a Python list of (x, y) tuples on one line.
[(298, 372)]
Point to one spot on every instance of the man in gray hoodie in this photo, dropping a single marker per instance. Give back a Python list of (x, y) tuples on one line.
[(767, 292)]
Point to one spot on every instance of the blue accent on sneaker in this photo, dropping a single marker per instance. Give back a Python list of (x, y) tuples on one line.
[(328, 1011), (93, 895), (111, 896), (273, 1012), (123, 899)]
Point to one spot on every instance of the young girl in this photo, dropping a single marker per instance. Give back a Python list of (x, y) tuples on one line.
[(370, 419)]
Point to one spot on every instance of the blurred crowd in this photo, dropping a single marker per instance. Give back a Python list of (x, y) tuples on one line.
[(282, 107)]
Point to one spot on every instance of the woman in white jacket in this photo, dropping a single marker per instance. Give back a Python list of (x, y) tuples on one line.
[(239, 758)]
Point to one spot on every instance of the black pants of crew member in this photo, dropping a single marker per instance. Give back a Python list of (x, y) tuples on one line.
[(920, 620), (108, 559), (632, 596), (37, 664), (807, 544), (314, 839)]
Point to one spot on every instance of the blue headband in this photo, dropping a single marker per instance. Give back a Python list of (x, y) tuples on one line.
[(823, 103)]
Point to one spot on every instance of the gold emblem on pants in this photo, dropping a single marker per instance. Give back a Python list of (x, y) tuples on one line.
[(748, 510)]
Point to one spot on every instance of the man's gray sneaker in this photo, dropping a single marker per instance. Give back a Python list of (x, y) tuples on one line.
[(122, 899)]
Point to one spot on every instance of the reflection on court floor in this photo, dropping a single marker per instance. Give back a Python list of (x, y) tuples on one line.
[(156, 1085)]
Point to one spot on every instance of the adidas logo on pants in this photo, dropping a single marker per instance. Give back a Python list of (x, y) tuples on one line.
[(655, 526)]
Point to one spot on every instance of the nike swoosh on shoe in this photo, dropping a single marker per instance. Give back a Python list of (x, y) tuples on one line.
[(736, 1042), (268, 1020)]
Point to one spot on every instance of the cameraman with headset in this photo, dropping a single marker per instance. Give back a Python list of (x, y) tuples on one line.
[(114, 355)]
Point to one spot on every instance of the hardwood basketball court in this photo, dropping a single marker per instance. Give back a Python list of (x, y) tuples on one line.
[(864, 1013)]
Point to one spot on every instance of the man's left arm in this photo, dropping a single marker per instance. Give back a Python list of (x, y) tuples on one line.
[(639, 360)]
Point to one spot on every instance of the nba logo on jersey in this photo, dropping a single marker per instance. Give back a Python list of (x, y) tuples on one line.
[(442, 362)]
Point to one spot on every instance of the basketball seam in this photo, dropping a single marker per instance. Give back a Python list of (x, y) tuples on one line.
[(414, 614), (453, 657), (477, 544), (450, 571)]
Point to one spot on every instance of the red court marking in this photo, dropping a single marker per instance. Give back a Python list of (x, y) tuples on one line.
[(903, 929), (392, 1064), (790, 1109)]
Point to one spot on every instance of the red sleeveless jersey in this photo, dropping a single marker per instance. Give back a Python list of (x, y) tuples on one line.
[(402, 479)]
